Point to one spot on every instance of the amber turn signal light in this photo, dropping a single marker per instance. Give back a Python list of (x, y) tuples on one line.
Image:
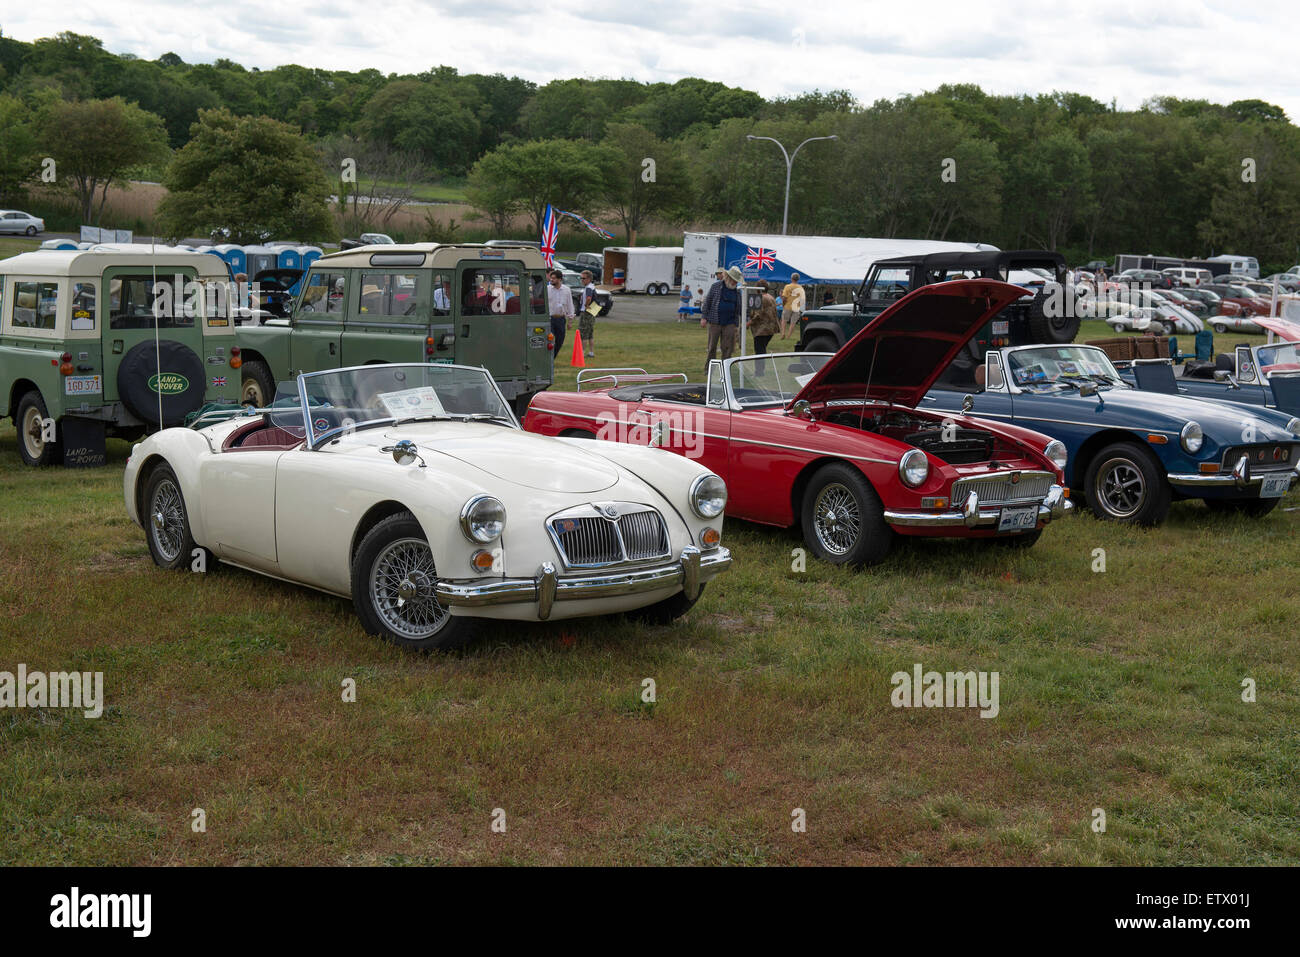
[(710, 537), (482, 560)]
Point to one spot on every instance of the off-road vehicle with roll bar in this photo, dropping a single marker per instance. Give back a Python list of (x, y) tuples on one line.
[(1050, 315), (116, 340)]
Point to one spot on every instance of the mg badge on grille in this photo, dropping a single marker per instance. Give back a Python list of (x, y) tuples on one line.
[(1015, 478), (609, 511)]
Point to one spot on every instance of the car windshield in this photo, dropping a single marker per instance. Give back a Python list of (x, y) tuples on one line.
[(772, 380), (346, 400), (1284, 353), (1061, 367)]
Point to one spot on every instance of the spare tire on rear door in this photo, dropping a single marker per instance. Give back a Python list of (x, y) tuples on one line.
[(181, 385), (1055, 328)]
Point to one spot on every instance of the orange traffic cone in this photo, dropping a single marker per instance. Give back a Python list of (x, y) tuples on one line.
[(578, 362)]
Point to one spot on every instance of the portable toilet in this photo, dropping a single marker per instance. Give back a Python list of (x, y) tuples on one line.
[(259, 258), (233, 255)]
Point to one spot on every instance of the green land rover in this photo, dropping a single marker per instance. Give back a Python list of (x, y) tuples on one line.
[(425, 302), (117, 340)]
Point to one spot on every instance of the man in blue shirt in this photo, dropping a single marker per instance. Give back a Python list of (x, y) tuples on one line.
[(720, 312)]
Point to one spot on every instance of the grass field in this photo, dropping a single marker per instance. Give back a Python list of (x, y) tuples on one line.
[(1119, 690)]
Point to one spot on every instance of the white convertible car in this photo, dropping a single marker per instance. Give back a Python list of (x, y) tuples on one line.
[(412, 490)]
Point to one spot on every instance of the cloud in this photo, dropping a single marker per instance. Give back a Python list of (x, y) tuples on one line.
[(1106, 49)]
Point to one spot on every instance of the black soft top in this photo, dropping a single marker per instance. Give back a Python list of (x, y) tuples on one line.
[(988, 264)]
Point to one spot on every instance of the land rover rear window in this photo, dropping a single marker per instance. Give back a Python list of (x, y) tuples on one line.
[(393, 294), (83, 307), (131, 302), (36, 305), (537, 294), (488, 292)]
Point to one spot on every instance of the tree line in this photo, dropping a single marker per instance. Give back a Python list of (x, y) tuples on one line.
[(1059, 170)]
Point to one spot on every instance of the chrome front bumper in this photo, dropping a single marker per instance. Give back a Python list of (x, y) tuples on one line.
[(1053, 505), (1240, 477), (690, 571)]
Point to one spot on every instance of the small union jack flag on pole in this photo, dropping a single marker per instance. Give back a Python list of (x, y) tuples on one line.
[(550, 235), (760, 258)]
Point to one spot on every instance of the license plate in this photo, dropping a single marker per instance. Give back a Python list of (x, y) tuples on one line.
[(1018, 519), (92, 385), (1274, 486)]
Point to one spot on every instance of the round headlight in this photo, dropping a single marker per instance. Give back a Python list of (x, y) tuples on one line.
[(483, 518), (1056, 453), (1293, 426), (1192, 437), (913, 467), (708, 496)]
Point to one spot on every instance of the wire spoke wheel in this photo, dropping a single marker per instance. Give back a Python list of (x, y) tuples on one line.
[(1121, 487), (167, 520), (402, 581), (837, 518)]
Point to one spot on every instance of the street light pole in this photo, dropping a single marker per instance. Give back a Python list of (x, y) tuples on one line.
[(789, 164)]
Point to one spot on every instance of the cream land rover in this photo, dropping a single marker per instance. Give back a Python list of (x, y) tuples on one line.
[(117, 340)]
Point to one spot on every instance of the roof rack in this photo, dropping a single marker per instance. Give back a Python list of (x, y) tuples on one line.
[(589, 376)]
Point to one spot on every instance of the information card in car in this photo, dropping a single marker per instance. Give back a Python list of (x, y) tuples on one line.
[(412, 403)]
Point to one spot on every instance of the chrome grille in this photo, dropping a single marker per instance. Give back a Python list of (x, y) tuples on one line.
[(998, 488), (644, 535), (587, 539)]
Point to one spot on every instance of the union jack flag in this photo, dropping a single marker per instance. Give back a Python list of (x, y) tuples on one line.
[(218, 380), (550, 236), (760, 258)]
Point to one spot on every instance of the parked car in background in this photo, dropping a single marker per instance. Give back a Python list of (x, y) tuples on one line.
[(1246, 299), (1194, 306), (1215, 305), (574, 281), (401, 487), (377, 239), (1132, 277), (1288, 281), (837, 445), (1187, 276), (1256, 375), (1133, 452), (15, 221)]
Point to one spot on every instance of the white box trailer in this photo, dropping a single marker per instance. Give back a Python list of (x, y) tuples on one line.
[(820, 261), (655, 270)]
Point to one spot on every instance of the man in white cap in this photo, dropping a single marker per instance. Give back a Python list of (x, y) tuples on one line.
[(721, 313)]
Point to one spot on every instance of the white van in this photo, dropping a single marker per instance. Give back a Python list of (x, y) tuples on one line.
[(1246, 266), (1186, 276)]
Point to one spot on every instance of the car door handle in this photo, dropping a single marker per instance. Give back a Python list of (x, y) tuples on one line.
[(333, 348)]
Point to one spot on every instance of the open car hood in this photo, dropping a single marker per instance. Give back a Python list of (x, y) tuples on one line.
[(1286, 329), (906, 348)]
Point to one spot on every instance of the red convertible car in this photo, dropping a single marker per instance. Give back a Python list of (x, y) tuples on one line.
[(836, 443)]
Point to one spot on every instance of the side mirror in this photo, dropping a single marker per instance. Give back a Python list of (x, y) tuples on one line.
[(405, 453), (1088, 389), (802, 410), (967, 402), (1223, 375)]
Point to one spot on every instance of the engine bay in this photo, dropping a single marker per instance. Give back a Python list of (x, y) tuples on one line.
[(954, 445)]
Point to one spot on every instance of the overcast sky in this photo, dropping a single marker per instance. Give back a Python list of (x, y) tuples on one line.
[(1108, 49)]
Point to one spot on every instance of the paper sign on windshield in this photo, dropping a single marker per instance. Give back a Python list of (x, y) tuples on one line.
[(412, 403)]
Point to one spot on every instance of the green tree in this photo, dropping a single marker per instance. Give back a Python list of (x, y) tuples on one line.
[(637, 189), (96, 142), (253, 176), (526, 176), (426, 118), (19, 157)]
